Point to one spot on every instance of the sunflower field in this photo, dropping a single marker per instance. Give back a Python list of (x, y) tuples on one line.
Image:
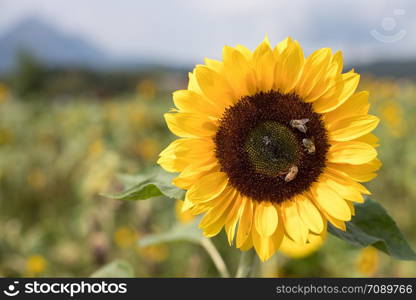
[(58, 159)]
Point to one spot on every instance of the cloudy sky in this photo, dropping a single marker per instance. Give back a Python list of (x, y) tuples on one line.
[(185, 31)]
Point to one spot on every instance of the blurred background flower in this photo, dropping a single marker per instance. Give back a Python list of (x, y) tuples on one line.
[(35, 265), (4, 92), (368, 261)]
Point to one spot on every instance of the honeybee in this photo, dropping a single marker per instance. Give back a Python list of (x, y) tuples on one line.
[(291, 174), (299, 124), (267, 140), (309, 145)]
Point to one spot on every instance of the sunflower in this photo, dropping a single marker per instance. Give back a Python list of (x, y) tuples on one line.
[(272, 145)]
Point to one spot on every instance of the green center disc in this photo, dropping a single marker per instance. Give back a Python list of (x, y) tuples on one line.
[(272, 148)]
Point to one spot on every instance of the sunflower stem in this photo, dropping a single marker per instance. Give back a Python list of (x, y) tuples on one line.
[(216, 257), (246, 264)]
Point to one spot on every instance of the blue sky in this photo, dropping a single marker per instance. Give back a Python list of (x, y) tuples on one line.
[(185, 31)]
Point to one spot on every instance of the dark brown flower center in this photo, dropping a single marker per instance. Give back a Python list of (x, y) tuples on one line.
[(271, 145)]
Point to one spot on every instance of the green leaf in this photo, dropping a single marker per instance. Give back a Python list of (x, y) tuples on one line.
[(371, 225), (179, 232), (117, 269), (153, 184)]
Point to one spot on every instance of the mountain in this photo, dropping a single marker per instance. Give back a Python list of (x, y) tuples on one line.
[(394, 69), (50, 45)]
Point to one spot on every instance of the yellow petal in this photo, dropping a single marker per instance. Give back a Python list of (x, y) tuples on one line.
[(339, 61), (245, 51), (351, 152), (266, 246), (280, 47), (236, 71), (223, 202), (347, 192), (192, 149), (214, 228), (331, 202), (352, 207), (314, 69), (289, 69), (187, 205), (188, 101), (216, 65), (352, 127), (370, 139), (265, 218), (192, 173), (345, 180), (361, 173), (309, 214), (170, 149), (263, 62), (233, 217), (214, 86), (326, 82), (294, 226), (193, 85), (190, 125), (261, 49), (209, 186), (337, 223), (248, 244), (337, 95), (168, 160), (356, 105), (246, 222)]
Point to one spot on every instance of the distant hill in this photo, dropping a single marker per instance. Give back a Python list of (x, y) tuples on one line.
[(49, 45), (56, 48), (394, 69)]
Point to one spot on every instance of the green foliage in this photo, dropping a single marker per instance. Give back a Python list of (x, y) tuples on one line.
[(29, 79), (153, 184), (372, 226), (179, 232), (115, 269)]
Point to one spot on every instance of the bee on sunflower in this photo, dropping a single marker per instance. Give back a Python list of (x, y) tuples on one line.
[(272, 145)]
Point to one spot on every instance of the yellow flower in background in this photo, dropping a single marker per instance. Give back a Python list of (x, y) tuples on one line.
[(155, 253), (136, 115), (4, 92), (294, 250), (393, 116), (5, 136), (146, 89), (35, 265), (183, 216), (111, 111), (36, 178), (368, 261), (272, 141), (96, 148), (147, 148), (125, 237)]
